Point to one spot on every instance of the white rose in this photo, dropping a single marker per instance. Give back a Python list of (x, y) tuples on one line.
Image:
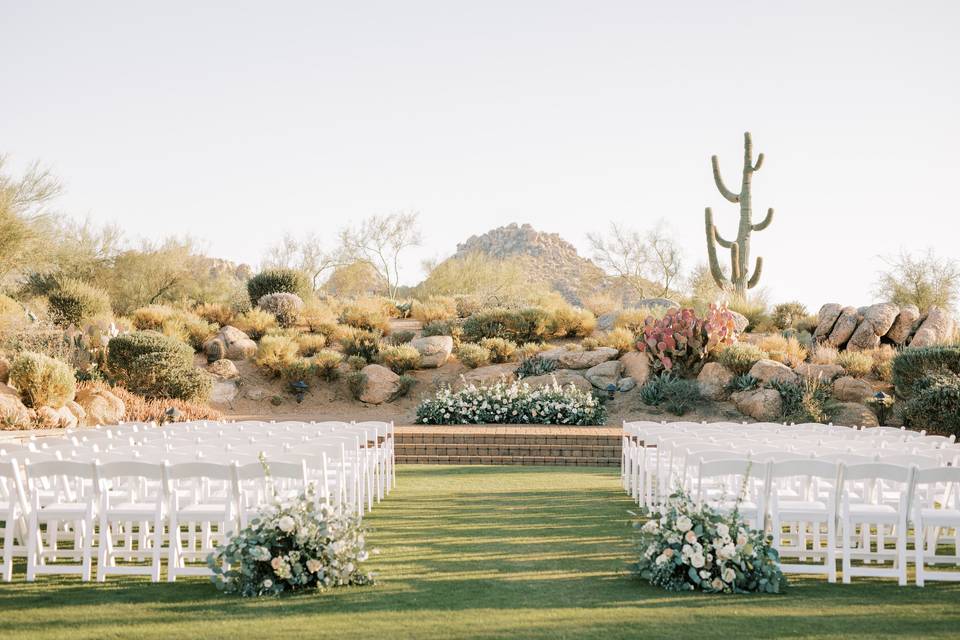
[(314, 565), (267, 583), (697, 561), (729, 575), (684, 524), (690, 537), (717, 584), (286, 524), (723, 530)]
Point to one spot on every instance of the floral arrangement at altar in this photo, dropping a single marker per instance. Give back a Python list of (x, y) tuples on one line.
[(690, 547), (294, 545)]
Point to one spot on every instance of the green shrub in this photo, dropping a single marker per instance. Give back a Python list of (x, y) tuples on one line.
[(156, 366), (363, 343), (255, 323), (740, 356), (679, 395), (451, 328), (357, 383), (401, 337), (327, 364), (42, 380), (277, 281), (500, 349), (652, 391), (473, 355), (285, 307), (404, 385), (910, 365), (299, 370), (275, 353), (787, 315), (75, 301), (934, 404), (524, 325), (856, 363), (805, 401), (535, 366), (400, 358)]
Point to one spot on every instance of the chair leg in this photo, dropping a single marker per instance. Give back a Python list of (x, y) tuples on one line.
[(902, 554), (831, 550), (34, 546), (9, 523), (86, 532), (157, 545), (845, 532), (104, 549), (173, 557), (918, 544)]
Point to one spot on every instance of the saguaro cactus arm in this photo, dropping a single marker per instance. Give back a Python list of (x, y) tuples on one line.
[(758, 163), (726, 193), (715, 270), (756, 274), (763, 224)]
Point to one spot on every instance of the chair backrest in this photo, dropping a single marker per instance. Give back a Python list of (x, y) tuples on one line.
[(210, 470)]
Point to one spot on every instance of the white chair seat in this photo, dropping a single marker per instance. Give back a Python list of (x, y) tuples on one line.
[(940, 516), (65, 509), (788, 509), (204, 510), (132, 509), (873, 510)]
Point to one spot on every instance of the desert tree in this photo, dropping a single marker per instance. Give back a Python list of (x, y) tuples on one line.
[(306, 254), (926, 280), (490, 280), (24, 216), (650, 263), (379, 241)]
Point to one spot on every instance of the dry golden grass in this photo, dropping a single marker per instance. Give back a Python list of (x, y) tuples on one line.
[(788, 351)]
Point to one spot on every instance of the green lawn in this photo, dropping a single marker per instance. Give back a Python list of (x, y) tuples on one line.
[(485, 552)]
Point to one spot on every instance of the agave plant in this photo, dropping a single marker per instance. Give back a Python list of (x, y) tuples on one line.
[(535, 366)]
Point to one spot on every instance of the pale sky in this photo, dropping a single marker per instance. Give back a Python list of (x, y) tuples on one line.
[(235, 122)]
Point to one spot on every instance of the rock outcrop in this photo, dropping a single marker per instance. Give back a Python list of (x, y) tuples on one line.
[(769, 370), (563, 377), (101, 406), (490, 374), (230, 343), (760, 404), (573, 359), (883, 323), (382, 384), (850, 389), (853, 414), (434, 350), (604, 374), (713, 381)]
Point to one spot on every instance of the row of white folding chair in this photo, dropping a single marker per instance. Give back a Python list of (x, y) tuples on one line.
[(118, 495)]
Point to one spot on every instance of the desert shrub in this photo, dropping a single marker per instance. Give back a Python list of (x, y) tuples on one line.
[(788, 351), (856, 363), (255, 323), (883, 362), (152, 317), (823, 354), (404, 385), (11, 312), (934, 404), (285, 307), (517, 325), (363, 343), (274, 353), (530, 349), (310, 343), (400, 358), (299, 370), (156, 366), (198, 330), (786, 315), (535, 366), (277, 281), (42, 380), (755, 311), (740, 356), (652, 391), (512, 403), (357, 383), (679, 395), (600, 304), (567, 321), (804, 401), (591, 343), (75, 301), (437, 308), (319, 316), (472, 355), (910, 365), (634, 320), (356, 363), (807, 323), (401, 337), (621, 339), (467, 305), (215, 313), (454, 329), (327, 364), (141, 409), (365, 317), (500, 350), (680, 341)]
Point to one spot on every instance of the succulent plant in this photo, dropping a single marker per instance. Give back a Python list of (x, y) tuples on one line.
[(535, 366), (680, 341)]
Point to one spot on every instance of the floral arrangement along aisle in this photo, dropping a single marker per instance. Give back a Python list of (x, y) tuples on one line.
[(291, 546), (689, 547)]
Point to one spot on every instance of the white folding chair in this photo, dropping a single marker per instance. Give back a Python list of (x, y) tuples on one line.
[(202, 496), (13, 509), (936, 508)]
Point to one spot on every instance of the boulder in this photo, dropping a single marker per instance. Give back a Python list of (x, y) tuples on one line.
[(850, 389), (78, 411), (760, 404), (604, 374), (852, 414), (224, 370), (655, 303), (434, 350), (562, 377), (4, 370), (12, 410), (713, 381), (936, 328), (825, 372), (845, 326), (877, 320), (382, 384), (101, 406), (740, 321), (903, 325), (826, 318), (490, 374), (636, 366), (230, 343), (626, 384), (572, 359), (606, 321), (224, 391), (767, 370), (56, 418)]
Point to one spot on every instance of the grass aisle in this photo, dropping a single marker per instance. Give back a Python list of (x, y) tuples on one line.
[(485, 552)]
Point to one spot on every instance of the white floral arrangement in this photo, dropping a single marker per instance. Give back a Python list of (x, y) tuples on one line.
[(290, 546), (689, 547), (512, 403)]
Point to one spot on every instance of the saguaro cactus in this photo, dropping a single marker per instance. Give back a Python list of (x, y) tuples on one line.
[(739, 248)]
